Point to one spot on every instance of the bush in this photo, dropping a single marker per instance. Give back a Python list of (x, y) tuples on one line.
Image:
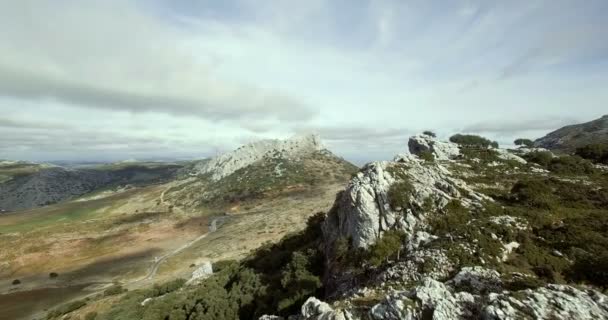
[(114, 290), (66, 308), (571, 165), (534, 193), (524, 142), (430, 133), (399, 194), (427, 156), (471, 140), (594, 152), (53, 275), (162, 289), (542, 158), (591, 268), (16, 282), (388, 246)]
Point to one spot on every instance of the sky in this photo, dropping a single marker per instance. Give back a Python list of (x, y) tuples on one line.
[(105, 80)]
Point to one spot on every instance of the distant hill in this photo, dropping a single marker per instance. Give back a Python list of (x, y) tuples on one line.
[(259, 169), (568, 138), (25, 185)]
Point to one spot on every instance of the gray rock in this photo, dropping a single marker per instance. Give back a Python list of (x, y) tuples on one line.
[(551, 302), (442, 150), (314, 309), (202, 272), (227, 163)]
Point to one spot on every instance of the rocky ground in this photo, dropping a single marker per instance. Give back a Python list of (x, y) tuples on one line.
[(436, 276)]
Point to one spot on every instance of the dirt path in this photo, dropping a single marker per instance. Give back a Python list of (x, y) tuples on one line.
[(159, 260)]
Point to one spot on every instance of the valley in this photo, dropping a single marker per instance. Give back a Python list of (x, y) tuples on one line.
[(140, 233)]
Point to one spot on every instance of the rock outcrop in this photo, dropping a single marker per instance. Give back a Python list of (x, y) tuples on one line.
[(225, 164), (425, 283), (442, 150), (203, 271)]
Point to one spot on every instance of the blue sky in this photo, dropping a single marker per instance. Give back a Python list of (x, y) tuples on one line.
[(132, 79)]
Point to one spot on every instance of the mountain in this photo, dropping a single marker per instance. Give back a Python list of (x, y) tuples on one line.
[(261, 169), (173, 224), (568, 138), (444, 232), (28, 185)]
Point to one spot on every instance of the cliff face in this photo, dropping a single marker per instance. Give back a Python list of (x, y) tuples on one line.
[(568, 138)]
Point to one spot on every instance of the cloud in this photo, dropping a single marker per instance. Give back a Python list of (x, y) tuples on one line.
[(115, 55)]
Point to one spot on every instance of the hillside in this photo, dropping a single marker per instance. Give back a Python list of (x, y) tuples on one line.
[(27, 185), (568, 138), (450, 232), (174, 228)]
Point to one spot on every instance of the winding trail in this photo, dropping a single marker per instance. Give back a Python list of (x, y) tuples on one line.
[(159, 260)]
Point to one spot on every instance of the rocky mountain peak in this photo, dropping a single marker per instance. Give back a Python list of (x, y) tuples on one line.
[(295, 147)]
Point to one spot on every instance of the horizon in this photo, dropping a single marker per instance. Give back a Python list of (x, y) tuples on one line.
[(191, 79)]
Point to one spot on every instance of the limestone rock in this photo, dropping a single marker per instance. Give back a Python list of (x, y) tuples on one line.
[(442, 150), (314, 309), (506, 155), (202, 272), (551, 302), (477, 280), (431, 300), (230, 162)]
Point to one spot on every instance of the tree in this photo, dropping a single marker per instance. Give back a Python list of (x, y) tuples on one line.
[(389, 245), (596, 152), (470, 140), (494, 144), (524, 142)]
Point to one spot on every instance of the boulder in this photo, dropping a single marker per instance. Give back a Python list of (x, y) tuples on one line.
[(203, 271), (442, 150)]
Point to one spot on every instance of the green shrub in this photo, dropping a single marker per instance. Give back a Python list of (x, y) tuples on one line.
[(114, 290), (524, 142), (386, 247), (66, 308), (399, 194), (16, 282), (542, 158), (571, 165), (591, 268), (494, 144), (53, 275), (170, 286), (535, 193), (427, 156), (597, 152), (470, 140)]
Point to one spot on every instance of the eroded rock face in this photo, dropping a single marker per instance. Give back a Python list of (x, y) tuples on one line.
[(202, 272), (469, 296), (363, 212), (230, 162), (551, 302), (314, 309), (442, 150)]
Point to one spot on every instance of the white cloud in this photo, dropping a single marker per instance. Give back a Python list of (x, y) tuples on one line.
[(198, 76)]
